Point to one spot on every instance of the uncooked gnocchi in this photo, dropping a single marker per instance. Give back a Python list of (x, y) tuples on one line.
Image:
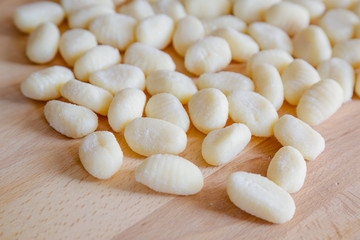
[(209, 54), (29, 16), (100, 154), (287, 169), (170, 174), (88, 95), (320, 101), (42, 44), (222, 145), (156, 31), (126, 105), (297, 77), (188, 30), (290, 17), (225, 81), (342, 72), (348, 50), (118, 77), (148, 58), (260, 197), (116, 30), (269, 36), (242, 46), (212, 24), (268, 83), (149, 136), (46, 84), (69, 119), (207, 8), (176, 83), (74, 43), (312, 45), (291, 131), (138, 9), (208, 110), (277, 57), (167, 107), (252, 10), (95, 59), (254, 110)]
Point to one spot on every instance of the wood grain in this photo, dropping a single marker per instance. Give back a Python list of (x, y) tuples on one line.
[(45, 193)]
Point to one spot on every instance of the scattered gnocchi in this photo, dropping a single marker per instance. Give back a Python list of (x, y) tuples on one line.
[(305, 52)]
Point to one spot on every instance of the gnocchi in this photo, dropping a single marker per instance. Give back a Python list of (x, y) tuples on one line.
[(149, 136), (45, 84), (170, 174), (69, 119), (287, 169), (259, 196), (88, 95), (291, 131), (222, 145), (208, 110), (167, 107), (100, 154), (127, 105)]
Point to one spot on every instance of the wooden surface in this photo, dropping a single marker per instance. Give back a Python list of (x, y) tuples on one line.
[(45, 193)]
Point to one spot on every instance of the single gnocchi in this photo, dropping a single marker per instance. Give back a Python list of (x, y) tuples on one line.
[(118, 77), (69, 119), (291, 131), (290, 17), (116, 30), (339, 24), (252, 10), (45, 84), (242, 46), (187, 31), (29, 16), (42, 44), (312, 45), (173, 8), (340, 71), (100, 154), (176, 83), (73, 5), (209, 54), (268, 83), (348, 50), (259, 196), (148, 58), (287, 169), (149, 136), (127, 105), (222, 145), (167, 107), (137, 9), (207, 8), (277, 57), (208, 110), (88, 95), (82, 17), (269, 36), (95, 59), (315, 8), (170, 174), (225, 81), (253, 110), (297, 77), (74, 43), (160, 24), (320, 101), (212, 24)]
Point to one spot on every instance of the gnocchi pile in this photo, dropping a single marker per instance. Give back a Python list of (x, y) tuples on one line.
[(303, 52)]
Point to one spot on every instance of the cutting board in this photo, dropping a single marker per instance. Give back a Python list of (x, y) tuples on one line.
[(45, 193)]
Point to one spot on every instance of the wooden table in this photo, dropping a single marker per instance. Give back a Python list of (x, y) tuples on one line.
[(45, 193)]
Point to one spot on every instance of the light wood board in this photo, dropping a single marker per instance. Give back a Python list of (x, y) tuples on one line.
[(45, 193)]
